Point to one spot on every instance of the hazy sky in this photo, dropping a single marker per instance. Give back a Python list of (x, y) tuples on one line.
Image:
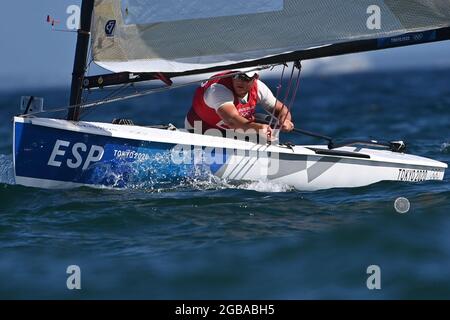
[(34, 56)]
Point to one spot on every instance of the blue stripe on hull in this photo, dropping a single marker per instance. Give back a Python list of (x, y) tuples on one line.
[(62, 155)]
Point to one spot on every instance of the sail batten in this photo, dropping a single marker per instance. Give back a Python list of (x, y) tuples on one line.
[(139, 36)]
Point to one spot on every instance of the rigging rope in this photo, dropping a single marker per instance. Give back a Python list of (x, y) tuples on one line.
[(112, 94), (297, 65), (273, 118), (289, 97), (138, 94)]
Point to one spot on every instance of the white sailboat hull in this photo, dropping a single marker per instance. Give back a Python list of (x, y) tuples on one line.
[(51, 153)]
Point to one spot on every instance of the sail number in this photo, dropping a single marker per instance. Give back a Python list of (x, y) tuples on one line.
[(79, 154), (414, 175)]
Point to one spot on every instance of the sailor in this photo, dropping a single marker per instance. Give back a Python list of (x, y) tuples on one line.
[(229, 102)]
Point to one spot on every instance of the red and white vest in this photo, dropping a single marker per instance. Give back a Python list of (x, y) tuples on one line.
[(200, 111)]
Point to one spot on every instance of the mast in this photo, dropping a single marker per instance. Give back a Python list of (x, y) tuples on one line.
[(79, 65)]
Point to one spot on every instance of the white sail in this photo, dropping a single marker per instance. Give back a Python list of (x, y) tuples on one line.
[(179, 36)]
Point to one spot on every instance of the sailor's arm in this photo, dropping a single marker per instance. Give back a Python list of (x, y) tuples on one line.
[(283, 114), (234, 120), (269, 102)]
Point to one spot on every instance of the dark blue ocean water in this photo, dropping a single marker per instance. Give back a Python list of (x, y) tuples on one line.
[(211, 240)]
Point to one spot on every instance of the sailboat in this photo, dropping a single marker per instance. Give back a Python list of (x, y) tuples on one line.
[(150, 40)]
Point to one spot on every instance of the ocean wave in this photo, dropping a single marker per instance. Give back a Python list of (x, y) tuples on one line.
[(266, 186), (159, 174), (212, 182), (445, 147), (6, 169)]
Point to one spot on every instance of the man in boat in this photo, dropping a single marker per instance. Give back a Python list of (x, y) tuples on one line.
[(229, 102)]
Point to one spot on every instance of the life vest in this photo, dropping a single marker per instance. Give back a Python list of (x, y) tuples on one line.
[(200, 111)]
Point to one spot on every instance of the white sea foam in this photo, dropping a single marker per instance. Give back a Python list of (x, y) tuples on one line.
[(209, 181), (445, 147), (214, 183), (266, 186), (6, 169)]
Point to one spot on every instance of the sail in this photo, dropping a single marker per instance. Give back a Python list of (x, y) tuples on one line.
[(175, 36)]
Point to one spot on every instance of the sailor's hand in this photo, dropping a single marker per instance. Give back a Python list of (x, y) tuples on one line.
[(287, 126), (266, 132)]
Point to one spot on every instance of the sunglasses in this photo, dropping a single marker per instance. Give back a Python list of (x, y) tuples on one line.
[(243, 77)]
